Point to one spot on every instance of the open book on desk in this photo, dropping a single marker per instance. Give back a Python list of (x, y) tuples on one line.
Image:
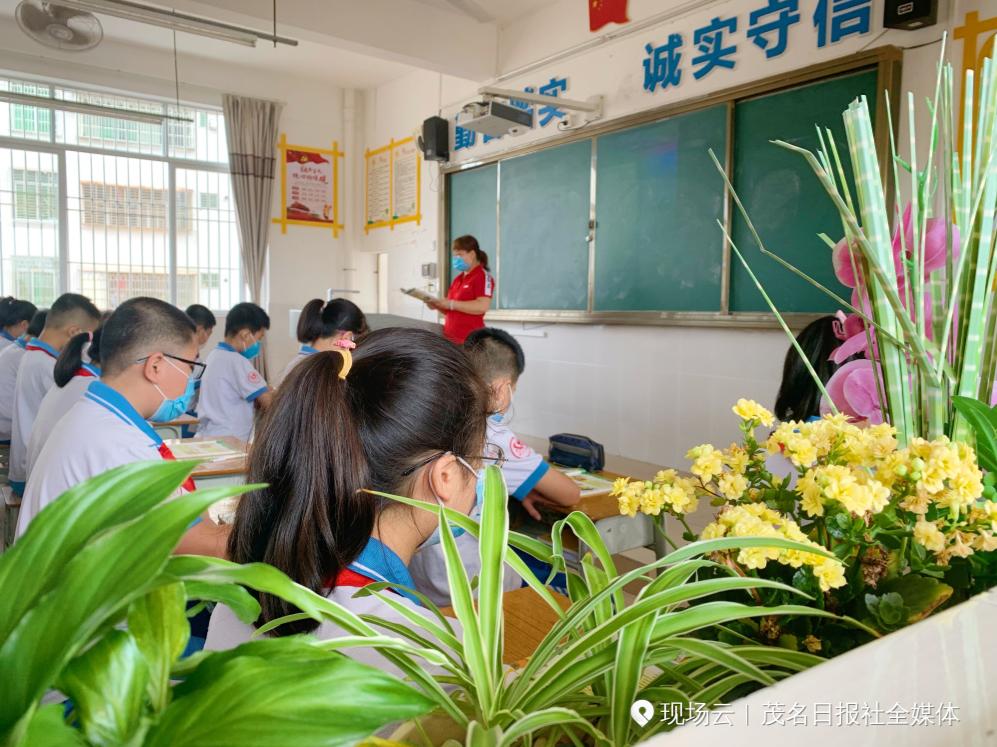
[(589, 484)]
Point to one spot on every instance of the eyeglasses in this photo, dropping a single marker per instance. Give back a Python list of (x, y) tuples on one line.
[(492, 454), (197, 368)]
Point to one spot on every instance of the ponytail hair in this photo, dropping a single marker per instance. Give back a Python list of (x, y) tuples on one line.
[(326, 440), (82, 348), (322, 319), (468, 243), (15, 311)]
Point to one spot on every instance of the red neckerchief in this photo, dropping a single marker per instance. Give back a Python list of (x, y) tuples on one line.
[(165, 453), (352, 579), (30, 346), (84, 372)]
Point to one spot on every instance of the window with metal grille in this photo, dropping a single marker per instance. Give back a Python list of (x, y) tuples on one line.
[(147, 209)]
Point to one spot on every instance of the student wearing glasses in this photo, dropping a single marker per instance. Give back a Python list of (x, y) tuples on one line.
[(147, 352), (403, 414)]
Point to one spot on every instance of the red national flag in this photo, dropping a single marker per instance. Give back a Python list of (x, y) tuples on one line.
[(602, 12)]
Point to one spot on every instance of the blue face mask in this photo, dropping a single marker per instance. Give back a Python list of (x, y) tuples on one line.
[(171, 409), (459, 264), (479, 498), (252, 351)]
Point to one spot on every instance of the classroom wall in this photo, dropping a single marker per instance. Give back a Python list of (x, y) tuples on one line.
[(648, 393), (303, 262)]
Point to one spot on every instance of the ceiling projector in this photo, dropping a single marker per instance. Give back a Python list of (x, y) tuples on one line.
[(494, 118)]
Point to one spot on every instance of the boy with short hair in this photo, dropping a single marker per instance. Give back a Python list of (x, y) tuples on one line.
[(70, 315), (147, 349), (499, 361), (204, 321), (231, 387)]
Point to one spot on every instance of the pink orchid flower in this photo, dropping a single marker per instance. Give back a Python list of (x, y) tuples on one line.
[(935, 249), (852, 388)]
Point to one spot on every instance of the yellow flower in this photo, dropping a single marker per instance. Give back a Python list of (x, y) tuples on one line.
[(736, 458), (619, 485), (732, 485), (713, 531), (665, 475), (830, 574), (651, 501), (928, 535), (811, 493), (985, 541), (751, 411), (707, 462)]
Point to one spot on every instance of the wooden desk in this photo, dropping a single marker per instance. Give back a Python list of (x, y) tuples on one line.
[(173, 429), (527, 619), (231, 471)]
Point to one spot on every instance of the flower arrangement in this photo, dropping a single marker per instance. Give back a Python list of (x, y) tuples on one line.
[(907, 526)]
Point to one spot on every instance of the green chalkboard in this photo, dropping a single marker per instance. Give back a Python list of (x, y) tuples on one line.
[(658, 199), (786, 203), (473, 206), (544, 226)]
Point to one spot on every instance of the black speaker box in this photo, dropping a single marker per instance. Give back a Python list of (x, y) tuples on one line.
[(435, 140), (910, 14)]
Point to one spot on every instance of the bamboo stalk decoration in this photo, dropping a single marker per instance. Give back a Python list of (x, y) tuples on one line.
[(931, 321)]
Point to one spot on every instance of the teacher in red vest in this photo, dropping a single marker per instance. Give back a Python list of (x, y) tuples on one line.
[(470, 293)]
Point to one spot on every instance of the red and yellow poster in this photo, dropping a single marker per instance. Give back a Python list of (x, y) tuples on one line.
[(309, 186)]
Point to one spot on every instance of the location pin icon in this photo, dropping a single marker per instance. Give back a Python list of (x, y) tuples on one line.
[(641, 712)]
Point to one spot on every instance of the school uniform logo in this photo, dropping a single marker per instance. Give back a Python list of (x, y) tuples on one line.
[(518, 449), (254, 377)]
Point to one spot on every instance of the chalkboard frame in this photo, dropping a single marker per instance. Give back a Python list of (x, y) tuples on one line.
[(887, 60)]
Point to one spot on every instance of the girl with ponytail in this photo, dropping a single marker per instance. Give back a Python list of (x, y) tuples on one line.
[(77, 366), (324, 325), (15, 316), (404, 414)]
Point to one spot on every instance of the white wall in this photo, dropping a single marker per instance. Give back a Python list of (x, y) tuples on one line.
[(648, 393), (303, 262)]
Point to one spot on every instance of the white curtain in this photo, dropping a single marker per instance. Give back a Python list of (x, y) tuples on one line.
[(251, 127)]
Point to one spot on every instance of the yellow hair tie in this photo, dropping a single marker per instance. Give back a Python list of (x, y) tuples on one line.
[(343, 347)]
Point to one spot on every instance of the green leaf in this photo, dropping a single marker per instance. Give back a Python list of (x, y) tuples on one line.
[(491, 548), (550, 717), (36, 562), (117, 567), (283, 692), (107, 684), (159, 626), (921, 595), (983, 421), (243, 604), (47, 728)]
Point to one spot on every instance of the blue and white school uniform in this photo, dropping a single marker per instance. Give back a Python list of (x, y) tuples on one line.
[(377, 562), (522, 470), (229, 388), (100, 432), (54, 407), (10, 361), (6, 340), (303, 352), (35, 376)]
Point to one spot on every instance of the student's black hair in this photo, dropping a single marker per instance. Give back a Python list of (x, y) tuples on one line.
[(71, 357), (37, 323), (14, 311), (141, 326), (495, 353), (70, 307), (799, 397), (324, 441), (321, 319), (202, 316), (246, 315), (470, 244)]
